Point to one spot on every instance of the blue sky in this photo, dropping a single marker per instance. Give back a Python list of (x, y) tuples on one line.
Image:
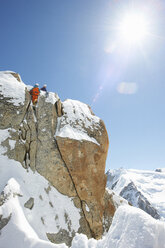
[(75, 48)]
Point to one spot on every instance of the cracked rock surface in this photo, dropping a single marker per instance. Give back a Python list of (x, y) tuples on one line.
[(74, 166)]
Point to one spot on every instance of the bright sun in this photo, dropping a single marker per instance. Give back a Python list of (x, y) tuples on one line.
[(133, 28)]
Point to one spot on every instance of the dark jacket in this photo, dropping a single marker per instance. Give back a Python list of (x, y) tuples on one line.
[(44, 89)]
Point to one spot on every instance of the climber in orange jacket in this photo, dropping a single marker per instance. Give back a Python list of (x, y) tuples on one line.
[(34, 92)]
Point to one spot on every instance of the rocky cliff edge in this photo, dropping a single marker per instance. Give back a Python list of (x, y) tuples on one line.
[(66, 144)]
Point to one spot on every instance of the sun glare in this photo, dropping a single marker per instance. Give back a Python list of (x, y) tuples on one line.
[(133, 28)]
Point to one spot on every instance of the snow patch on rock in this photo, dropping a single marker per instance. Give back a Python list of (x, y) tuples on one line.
[(76, 121), (12, 89)]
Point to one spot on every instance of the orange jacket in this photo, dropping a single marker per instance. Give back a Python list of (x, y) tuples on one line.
[(35, 91)]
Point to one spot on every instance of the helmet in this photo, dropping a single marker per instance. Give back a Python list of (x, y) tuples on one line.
[(37, 84), (45, 85)]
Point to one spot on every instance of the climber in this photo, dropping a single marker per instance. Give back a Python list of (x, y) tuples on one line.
[(34, 92), (44, 88)]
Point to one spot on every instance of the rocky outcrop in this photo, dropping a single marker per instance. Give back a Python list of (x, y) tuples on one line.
[(65, 143), (16, 75), (132, 194), (85, 159), (85, 162), (48, 161), (59, 108), (4, 221), (30, 203), (109, 210)]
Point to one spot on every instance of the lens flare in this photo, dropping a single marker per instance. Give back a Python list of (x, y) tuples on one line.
[(127, 88)]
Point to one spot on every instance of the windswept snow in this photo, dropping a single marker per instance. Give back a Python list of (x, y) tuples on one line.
[(131, 228), (76, 120), (48, 202), (10, 88), (18, 232)]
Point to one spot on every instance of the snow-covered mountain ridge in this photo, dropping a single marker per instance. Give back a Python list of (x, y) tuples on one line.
[(143, 189), (52, 178)]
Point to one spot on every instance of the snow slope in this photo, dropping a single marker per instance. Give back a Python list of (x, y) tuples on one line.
[(18, 229), (151, 185), (25, 225), (131, 228)]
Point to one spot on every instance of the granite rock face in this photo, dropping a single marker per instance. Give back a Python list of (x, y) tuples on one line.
[(66, 144)]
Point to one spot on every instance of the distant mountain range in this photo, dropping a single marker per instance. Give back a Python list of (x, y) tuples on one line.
[(142, 189)]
